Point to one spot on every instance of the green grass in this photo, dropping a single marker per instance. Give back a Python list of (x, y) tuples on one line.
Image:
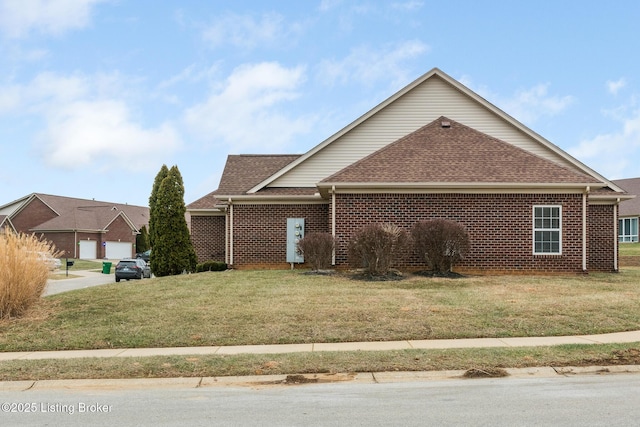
[(261, 307), (271, 307), (321, 362), (629, 249)]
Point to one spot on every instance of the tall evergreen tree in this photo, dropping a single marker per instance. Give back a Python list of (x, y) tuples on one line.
[(162, 174), (173, 251)]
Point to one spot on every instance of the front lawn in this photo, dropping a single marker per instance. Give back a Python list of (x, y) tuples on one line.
[(266, 307)]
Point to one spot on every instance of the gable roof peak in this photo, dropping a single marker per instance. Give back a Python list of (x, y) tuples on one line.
[(446, 151)]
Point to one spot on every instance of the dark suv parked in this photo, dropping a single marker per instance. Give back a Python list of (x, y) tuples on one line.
[(132, 269)]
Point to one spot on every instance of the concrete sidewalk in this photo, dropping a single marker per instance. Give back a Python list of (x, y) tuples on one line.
[(618, 337)]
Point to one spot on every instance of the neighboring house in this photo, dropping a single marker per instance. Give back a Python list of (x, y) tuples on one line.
[(629, 210), (84, 229), (435, 149)]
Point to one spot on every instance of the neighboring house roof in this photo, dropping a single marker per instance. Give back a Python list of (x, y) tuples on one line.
[(445, 151), (5, 223), (632, 186), (80, 214)]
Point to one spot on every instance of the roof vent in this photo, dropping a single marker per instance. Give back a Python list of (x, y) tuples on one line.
[(445, 124)]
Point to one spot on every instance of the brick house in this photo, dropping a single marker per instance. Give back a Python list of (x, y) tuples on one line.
[(435, 149), (629, 211), (83, 229)]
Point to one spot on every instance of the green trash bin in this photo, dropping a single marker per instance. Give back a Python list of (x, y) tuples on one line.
[(106, 267)]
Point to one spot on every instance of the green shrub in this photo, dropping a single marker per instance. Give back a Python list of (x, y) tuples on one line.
[(24, 271), (211, 266), (376, 247), (317, 249)]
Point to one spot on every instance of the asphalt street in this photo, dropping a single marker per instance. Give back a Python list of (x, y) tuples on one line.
[(87, 279), (593, 400)]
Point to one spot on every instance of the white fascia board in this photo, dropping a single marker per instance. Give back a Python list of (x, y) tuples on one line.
[(606, 199), (274, 199), (217, 211), (461, 187)]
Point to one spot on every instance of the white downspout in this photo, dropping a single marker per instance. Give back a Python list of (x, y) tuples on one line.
[(226, 235), (584, 229), (615, 235), (230, 232), (333, 222)]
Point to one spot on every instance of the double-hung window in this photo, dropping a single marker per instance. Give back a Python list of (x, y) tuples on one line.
[(628, 229), (547, 230)]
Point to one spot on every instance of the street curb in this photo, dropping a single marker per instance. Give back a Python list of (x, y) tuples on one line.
[(264, 381)]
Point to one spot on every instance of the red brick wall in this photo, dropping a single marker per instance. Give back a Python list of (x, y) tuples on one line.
[(500, 226), (64, 242), (602, 240), (260, 231), (119, 231), (34, 214), (208, 237)]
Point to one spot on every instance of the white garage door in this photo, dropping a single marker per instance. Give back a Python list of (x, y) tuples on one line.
[(118, 250), (88, 249)]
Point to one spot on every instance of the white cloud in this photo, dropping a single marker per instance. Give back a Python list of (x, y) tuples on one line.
[(102, 134), (615, 153), (85, 124), (327, 5), (246, 31), (526, 105), (614, 86), (368, 66), (19, 18), (243, 113), (410, 5), (531, 104)]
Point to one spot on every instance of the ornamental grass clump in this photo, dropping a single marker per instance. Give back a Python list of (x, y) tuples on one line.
[(24, 270)]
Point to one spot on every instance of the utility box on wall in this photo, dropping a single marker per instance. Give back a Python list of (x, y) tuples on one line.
[(295, 232)]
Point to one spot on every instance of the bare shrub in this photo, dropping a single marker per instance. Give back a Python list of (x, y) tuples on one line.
[(24, 270), (317, 249), (376, 247), (440, 243)]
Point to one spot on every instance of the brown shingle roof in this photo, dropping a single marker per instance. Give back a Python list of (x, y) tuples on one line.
[(631, 186), (244, 171), (83, 214), (445, 151), (241, 173)]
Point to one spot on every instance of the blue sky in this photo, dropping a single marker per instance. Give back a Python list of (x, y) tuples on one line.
[(95, 95)]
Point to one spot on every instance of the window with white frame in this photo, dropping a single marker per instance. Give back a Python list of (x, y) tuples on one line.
[(547, 230), (628, 230)]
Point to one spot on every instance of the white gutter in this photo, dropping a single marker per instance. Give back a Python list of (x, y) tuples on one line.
[(455, 187)]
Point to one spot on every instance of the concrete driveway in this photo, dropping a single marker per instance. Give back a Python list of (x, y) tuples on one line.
[(87, 279)]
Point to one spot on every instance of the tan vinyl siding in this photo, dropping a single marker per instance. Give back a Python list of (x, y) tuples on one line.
[(420, 106)]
